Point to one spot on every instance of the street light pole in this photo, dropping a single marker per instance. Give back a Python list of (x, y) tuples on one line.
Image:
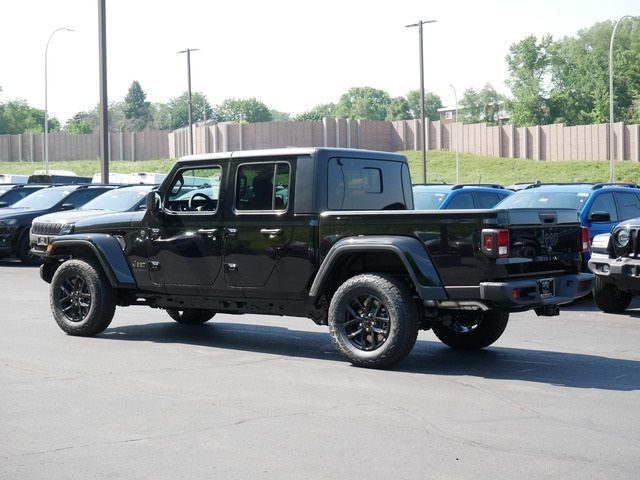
[(46, 116), (422, 116), (189, 105), (611, 136), (455, 96)]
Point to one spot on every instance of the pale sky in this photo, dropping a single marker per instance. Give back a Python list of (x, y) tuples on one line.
[(289, 54)]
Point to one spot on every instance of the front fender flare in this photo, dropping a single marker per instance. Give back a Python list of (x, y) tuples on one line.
[(410, 251), (107, 251)]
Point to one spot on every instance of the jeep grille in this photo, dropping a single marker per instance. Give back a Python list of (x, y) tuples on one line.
[(46, 228)]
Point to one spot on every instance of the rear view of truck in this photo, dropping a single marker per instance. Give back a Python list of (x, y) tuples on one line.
[(465, 270)]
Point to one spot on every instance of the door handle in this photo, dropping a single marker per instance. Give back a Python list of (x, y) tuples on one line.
[(208, 232), (230, 232), (271, 232)]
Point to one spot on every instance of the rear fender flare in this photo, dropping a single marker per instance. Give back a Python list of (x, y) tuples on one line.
[(410, 251)]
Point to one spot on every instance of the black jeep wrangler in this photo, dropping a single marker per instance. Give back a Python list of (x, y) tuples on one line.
[(328, 234), (615, 259)]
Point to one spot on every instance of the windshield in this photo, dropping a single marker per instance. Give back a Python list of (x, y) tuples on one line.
[(428, 200), (115, 200), (537, 199), (43, 199)]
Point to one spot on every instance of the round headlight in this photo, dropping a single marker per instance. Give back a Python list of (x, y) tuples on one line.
[(622, 238)]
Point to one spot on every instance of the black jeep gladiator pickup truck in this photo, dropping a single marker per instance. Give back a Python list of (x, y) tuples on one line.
[(328, 234)]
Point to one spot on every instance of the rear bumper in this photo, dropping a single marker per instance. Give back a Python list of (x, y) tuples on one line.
[(527, 294), (624, 272)]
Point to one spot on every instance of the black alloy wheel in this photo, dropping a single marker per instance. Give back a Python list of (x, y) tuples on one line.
[(373, 320)]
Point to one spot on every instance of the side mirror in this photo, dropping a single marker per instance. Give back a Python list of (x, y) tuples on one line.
[(3, 204), (153, 202), (67, 206), (599, 216)]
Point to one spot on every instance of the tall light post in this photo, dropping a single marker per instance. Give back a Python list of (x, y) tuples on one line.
[(422, 117), (455, 96), (46, 116), (611, 142), (189, 105)]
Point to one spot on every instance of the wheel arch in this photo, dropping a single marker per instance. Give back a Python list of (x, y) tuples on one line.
[(396, 255), (98, 246)]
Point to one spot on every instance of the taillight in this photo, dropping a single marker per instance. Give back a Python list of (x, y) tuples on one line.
[(585, 244), (503, 243), (495, 242)]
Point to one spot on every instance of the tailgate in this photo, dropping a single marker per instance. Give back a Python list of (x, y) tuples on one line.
[(542, 241)]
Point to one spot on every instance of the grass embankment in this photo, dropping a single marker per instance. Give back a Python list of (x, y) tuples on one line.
[(441, 166)]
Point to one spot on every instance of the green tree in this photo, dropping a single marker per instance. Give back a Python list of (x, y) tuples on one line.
[(175, 114), (580, 74), (80, 123), (248, 110), (317, 113), (136, 108), (117, 120), (529, 64), (16, 116), (398, 109), (432, 103), (277, 116), (486, 106), (365, 103), (470, 107)]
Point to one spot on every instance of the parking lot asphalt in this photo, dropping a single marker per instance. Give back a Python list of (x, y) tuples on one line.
[(268, 397)]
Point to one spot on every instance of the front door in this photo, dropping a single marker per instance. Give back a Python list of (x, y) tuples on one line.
[(185, 239)]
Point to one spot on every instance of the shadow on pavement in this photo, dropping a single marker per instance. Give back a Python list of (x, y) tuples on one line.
[(430, 358)]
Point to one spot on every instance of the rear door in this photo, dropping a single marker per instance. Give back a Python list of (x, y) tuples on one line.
[(258, 226)]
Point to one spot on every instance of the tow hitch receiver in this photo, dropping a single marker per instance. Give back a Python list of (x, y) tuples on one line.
[(548, 311)]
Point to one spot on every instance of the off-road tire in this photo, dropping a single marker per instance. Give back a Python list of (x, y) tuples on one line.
[(373, 320), (23, 251), (82, 300), (609, 298), (191, 316), (475, 333)]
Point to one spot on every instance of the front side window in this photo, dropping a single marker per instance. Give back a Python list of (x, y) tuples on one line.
[(605, 203), (195, 190), (262, 187)]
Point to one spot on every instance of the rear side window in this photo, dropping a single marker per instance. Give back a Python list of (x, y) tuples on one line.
[(462, 200), (356, 184), (262, 187), (628, 205), (487, 199)]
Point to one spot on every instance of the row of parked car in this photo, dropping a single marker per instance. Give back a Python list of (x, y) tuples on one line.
[(600, 206), (610, 212), (49, 204)]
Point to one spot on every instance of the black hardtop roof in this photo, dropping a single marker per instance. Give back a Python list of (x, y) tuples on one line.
[(318, 152)]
